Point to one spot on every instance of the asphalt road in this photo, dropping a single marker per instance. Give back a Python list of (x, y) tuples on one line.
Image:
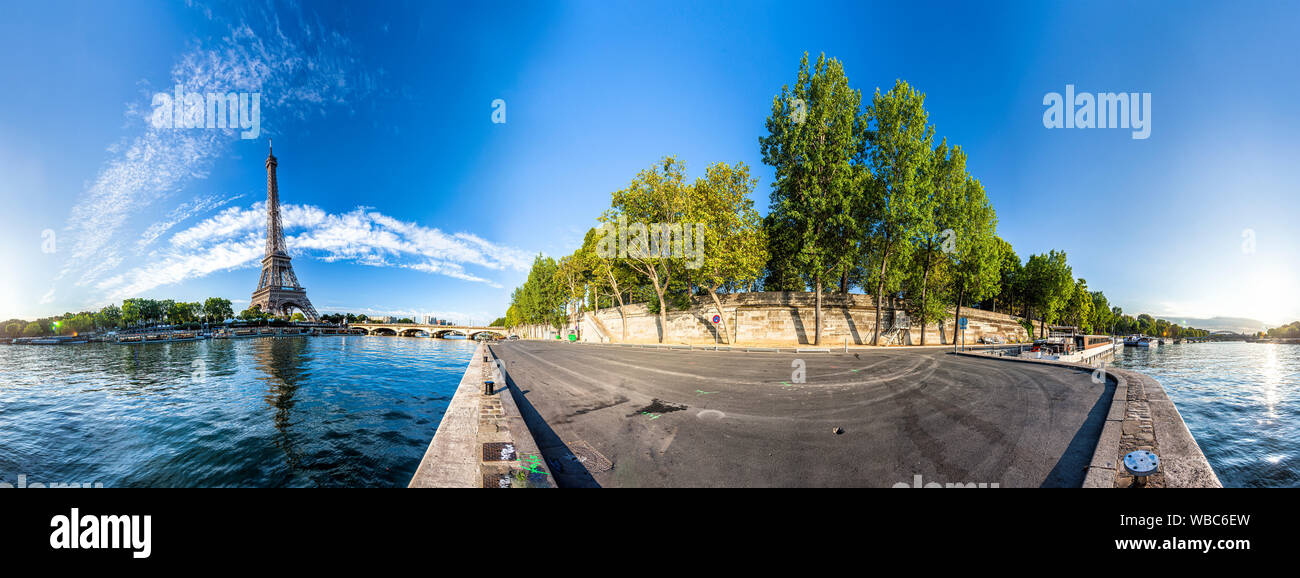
[(694, 418)]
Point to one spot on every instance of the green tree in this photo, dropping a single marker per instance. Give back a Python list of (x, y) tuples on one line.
[(572, 274), (178, 312), (608, 271), (899, 151), (218, 309), (540, 298), (253, 313), (1049, 283), (34, 329), (1079, 306), (941, 213), (298, 316), (654, 204), (977, 257), (1102, 318), (733, 232), (814, 135), (1009, 274), (110, 317)]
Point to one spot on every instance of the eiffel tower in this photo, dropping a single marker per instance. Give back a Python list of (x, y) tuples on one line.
[(278, 291)]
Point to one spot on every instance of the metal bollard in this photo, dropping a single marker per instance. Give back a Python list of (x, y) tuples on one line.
[(489, 387), (1141, 464)]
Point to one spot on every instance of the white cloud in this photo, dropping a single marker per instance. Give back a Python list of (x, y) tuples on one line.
[(300, 70), (236, 238)]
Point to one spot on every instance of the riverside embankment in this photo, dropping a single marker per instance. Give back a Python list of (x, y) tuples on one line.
[(780, 319), (1141, 417), (635, 417), (482, 440)]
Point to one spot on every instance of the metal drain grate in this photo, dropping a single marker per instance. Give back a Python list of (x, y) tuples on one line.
[(499, 452), (590, 458)]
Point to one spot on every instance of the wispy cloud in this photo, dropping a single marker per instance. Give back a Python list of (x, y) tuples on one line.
[(179, 215), (300, 68), (235, 238)]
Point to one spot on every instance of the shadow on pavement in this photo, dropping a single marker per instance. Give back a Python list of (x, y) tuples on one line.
[(567, 469), (1072, 468)]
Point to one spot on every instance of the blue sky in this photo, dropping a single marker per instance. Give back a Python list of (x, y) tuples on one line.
[(403, 197)]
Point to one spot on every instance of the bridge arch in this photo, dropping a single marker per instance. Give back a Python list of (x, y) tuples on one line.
[(383, 331), (443, 333), (413, 332), (495, 334)]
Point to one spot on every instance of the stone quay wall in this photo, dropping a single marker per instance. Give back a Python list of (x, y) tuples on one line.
[(777, 318)]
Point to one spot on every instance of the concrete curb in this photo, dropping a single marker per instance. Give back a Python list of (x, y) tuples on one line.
[(452, 460), (1182, 461), (517, 428)]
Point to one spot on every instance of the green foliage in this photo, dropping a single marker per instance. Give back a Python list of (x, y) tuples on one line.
[(253, 313), (900, 158), (780, 272), (217, 309), (814, 135), (1049, 283), (540, 300), (110, 317), (1290, 330)]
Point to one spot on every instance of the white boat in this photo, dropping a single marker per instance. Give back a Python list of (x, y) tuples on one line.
[(1150, 342)]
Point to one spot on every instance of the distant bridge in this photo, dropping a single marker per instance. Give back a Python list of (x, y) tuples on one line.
[(414, 329)]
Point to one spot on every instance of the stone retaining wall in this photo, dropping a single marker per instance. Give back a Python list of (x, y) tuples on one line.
[(776, 318)]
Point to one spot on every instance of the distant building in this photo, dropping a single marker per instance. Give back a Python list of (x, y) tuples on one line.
[(386, 319)]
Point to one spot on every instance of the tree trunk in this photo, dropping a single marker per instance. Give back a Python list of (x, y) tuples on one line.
[(817, 314), (960, 333), (713, 292), (613, 284), (880, 288), (663, 310), (844, 281), (925, 285)]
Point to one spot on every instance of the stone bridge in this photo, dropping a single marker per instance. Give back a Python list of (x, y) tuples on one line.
[(415, 329)]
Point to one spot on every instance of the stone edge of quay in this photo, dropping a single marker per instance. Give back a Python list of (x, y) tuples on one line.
[(1182, 462), (516, 426), (452, 459)]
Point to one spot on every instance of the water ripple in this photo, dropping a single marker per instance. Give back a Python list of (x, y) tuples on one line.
[(304, 412), (1240, 400)]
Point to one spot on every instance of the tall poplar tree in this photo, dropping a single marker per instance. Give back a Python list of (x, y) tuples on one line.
[(898, 154), (814, 133)]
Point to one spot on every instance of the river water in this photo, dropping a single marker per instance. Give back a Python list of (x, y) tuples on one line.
[(1241, 402), (351, 411)]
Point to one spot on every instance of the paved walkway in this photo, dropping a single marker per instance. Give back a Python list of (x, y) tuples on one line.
[(613, 416)]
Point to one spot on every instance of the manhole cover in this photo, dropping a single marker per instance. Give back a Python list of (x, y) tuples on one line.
[(499, 452), (589, 457)]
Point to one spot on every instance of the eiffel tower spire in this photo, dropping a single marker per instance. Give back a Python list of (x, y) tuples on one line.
[(278, 291)]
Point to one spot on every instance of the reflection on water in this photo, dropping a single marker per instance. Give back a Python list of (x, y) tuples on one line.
[(1240, 400), (292, 411)]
